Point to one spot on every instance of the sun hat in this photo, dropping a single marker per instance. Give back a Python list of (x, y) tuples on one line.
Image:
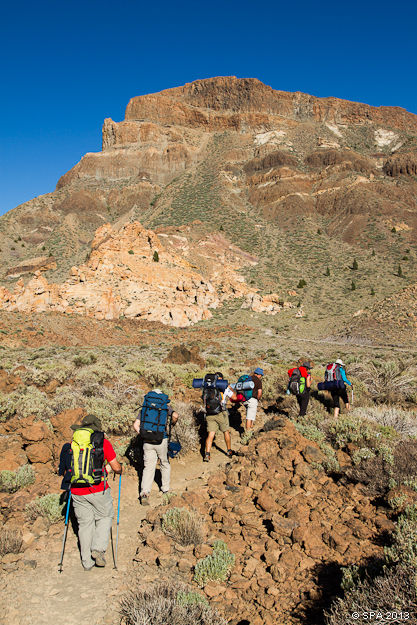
[(259, 371), (339, 361), (90, 421)]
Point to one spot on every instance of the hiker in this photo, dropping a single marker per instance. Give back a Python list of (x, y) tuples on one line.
[(340, 393), (251, 403), (217, 418), (90, 491), (153, 426), (299, 385)]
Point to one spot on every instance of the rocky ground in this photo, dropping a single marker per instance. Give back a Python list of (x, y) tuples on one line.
[(35, 593)]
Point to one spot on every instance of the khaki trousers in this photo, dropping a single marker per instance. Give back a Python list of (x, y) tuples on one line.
[(94, 514), (151, 453)]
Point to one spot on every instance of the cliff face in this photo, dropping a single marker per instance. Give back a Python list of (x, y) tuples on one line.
[(269, 168)]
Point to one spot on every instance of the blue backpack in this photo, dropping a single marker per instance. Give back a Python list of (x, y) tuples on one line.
[(153, 417)]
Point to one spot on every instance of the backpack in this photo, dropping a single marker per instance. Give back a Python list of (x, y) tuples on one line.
[(87, 458), (245, 386), (332, 373), (297, 383), (153, 417), (211, 395)]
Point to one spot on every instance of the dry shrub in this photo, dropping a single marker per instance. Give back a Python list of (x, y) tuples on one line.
[(10, 541), (402, 421), (185, 526), (164, 603), (394, 591), (387, 381), (187, 427), (378, 475)]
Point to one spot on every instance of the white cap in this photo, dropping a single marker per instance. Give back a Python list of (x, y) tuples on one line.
[(340, 362)]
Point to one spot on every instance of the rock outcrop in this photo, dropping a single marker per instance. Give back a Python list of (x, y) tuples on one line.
[(133, 273)]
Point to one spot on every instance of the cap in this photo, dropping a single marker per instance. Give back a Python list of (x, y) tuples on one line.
[(90, 421), (307, 364), (339, 361), (259, 371)]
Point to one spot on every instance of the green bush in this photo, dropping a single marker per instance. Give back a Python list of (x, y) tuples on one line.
[(12, 481), (81, 360), (404, 540), (25, 402), (191, 598), (48, 507), (185, 526), (166, 603), (216, 567)]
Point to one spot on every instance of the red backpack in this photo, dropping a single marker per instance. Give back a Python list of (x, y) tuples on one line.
[(332, 373)]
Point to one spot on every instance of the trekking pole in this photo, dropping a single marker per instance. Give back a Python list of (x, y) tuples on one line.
[(65, 532), (118, 516)]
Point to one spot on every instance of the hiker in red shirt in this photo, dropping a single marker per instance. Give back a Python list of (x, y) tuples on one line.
[(92, 502)]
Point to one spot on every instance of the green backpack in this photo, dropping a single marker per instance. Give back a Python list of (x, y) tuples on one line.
[(87, 458)]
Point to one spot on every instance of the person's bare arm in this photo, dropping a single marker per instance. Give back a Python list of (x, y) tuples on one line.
[(308, 381), (116, 466), (136, 426), (259, 394)]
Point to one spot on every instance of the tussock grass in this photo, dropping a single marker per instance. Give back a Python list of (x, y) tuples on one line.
[(167, 602), (185, 526), (10, 541)]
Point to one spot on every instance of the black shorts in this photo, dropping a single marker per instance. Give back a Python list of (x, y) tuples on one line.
[(337, 395)]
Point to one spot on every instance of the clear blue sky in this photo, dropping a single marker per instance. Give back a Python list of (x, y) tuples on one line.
[(68, 65)]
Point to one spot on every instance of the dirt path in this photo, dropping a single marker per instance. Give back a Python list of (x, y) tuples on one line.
[(42, 596)]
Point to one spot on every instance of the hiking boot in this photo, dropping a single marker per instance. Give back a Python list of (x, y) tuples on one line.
[(229, 453), (144, 500), (207, 457), (98, 556), (88, 568)]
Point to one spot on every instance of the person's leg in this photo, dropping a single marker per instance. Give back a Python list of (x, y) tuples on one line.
[(227, 440), (336, 403), (104, 513), (209, 441), (165, 466), (345, 397), (84, 512), (251, 406), (150, 458), (303, 403)]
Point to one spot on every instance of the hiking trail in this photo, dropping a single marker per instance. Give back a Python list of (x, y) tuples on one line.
[(41, 595)]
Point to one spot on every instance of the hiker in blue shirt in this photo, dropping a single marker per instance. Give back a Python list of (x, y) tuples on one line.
[(341, 393)]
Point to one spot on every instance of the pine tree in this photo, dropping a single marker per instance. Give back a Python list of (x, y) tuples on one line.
[(327, 272), (372, 291), (355, 264), (155, 257), (353, 286), (301, 284), (400, 271)]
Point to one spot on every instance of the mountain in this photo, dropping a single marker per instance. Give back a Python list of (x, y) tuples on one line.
[(307, 185)]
